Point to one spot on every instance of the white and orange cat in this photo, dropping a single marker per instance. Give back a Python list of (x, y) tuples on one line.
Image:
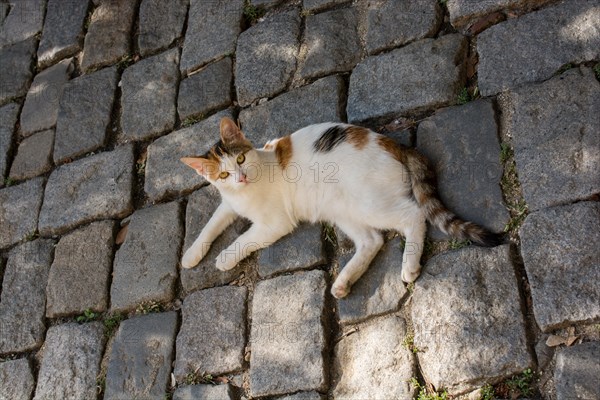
[(349, 176)]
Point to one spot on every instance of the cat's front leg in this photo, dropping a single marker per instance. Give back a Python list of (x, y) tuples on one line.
[(413, 249), (221, 219), (255, 238)]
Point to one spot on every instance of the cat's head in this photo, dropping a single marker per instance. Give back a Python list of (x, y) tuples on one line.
[(226, 164)]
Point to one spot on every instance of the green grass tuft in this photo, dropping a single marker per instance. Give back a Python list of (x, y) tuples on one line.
[(88, 316), (424, 394)]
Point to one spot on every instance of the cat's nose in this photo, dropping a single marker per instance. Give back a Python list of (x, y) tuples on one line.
[(242, 178)]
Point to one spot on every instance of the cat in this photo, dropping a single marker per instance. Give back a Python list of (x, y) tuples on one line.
[(346, 175)]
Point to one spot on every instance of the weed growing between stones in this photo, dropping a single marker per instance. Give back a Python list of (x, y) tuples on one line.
[(111, 323), (252, 13), (424, 394), (409, 343), (8, 182), (88, 316), (195, 378), (597, 71), (464, 96), (564, 68), (487, 393), (149, 307), (456, 244), (519, 385), (191, 121), (329, 235), (125, 62)]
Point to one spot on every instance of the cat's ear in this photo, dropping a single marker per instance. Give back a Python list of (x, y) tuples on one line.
[(230, 133), (202, 166)]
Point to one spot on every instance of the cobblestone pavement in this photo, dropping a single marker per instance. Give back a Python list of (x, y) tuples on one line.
[(99, 100)]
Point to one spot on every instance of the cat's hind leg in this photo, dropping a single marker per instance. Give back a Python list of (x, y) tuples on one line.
[(368, 242), (414, 231), (221, 219)]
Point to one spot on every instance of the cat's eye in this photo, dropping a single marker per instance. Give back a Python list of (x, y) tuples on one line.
[(241, 158), (223, 175)]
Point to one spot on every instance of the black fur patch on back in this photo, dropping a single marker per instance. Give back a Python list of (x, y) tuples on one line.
[(331, 138)]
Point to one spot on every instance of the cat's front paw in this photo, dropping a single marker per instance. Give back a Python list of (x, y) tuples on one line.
[(190, 259), (340, 290), (409, 276), (225, 262)]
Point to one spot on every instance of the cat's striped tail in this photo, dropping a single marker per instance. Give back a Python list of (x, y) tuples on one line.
[(423, 185)]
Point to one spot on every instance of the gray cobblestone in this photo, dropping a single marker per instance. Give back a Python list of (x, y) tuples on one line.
[(86, 190), (212, 31), (16, 380), (266, 57), (40, 110), (8, 119), (149, 95), (15, 64), (145, 267), (392, 83), (71, 362), (212, 341), (34, 156), (24, 20), (63, 31), (85, 107), (139, 364), (107, 39), (19, 210), (81, 270), (161, 23), (23, 297), (206, 91)]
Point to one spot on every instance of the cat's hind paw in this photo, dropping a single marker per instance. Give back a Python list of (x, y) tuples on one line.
[(410, 276), (340, 290)]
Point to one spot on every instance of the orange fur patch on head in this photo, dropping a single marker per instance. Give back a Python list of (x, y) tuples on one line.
[(283, 151), (357, 136)]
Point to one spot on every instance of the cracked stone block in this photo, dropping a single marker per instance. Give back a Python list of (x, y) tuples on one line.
[(373, 363), (213, 340), (318, 5), (194, 392), (380, 290), (34, 156), (301, 249), (8, 118), (84, 114), (266, 57), (161, 23), (319, 102), (201, 206), (15, 64), (16, 380), (165, 174), (63, 31), (40, 110), (24, 297), (81, 270), (206, 91), (139, 365), (390, 23), (556, 120), (560, 252), (107, 38), (287, 335), (462, 146), (392, 83), (467, 319), (577, 371), (90, 189), (24, 20), (145, 267), (149, 96), (332, 43), (540, 43), (213, 28), (71, 362), (19, 210)]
